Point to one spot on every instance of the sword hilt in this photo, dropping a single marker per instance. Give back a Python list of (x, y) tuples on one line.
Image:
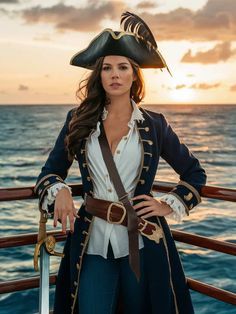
[(49, 242), (36, 254)]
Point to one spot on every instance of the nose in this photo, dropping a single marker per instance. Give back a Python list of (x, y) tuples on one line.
[(115, 73)]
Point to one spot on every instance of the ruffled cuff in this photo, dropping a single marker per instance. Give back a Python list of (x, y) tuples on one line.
[(177, 206), (50, 197)]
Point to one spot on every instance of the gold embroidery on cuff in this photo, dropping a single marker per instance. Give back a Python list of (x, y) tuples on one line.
[(192, 189), (44, 178), (188, 197)]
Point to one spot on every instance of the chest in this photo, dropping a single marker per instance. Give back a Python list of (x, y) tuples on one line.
[(146, 135), (115, 132)]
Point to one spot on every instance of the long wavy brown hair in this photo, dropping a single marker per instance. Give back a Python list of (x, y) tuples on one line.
[(93, 100)]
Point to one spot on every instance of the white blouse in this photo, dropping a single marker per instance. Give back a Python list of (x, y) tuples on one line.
[(127, 158)]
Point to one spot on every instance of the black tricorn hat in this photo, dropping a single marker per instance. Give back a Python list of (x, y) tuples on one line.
[(135, 42)]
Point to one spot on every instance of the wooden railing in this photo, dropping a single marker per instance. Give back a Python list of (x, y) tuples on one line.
[(10, 194)]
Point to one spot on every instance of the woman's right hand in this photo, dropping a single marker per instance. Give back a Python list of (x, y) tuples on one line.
[(64, 206)]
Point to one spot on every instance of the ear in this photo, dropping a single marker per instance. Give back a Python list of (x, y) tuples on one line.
[(134, 77)]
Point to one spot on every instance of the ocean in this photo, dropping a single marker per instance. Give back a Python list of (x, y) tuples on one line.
[(27, 133)]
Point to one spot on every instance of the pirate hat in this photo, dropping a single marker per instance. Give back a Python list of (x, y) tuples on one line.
[(136, 42)]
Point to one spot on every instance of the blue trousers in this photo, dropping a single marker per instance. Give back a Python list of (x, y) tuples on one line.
[(101, 282)]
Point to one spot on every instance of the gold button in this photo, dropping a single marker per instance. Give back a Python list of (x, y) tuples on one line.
[(146, 129), (109, 190), (125, 138), (46, 183), (118, 152)]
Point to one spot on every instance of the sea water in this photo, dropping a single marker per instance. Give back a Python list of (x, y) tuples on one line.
[(27, 134)]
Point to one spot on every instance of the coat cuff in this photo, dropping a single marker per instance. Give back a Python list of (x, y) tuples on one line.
[(49, 198), (187, 195), (45, 183), (178, 208)]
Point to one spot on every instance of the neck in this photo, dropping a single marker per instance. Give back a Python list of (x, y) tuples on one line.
[(120, 107)]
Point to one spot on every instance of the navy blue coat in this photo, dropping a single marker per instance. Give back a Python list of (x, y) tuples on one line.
[(167, 290)]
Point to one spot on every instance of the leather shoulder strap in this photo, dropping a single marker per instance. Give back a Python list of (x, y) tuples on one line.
[(123, 197)]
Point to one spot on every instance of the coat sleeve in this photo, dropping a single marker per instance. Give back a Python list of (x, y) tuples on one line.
[(57, 165), (178, 156)]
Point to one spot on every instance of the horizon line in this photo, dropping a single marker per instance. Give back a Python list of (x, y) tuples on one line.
[(151, 104)]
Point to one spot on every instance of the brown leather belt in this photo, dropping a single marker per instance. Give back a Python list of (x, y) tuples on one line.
[(115, 213)]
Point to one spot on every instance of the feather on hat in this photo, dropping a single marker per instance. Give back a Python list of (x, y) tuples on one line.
[(135, 41)]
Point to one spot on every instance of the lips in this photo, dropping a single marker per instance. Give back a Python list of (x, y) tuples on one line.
[(115, 85)]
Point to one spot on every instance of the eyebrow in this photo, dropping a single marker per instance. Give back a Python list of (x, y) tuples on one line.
[(118, 63)]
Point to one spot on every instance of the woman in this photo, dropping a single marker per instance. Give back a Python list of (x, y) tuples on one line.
[(108, 262)]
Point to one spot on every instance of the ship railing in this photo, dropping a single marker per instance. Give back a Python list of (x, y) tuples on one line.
[(211, 192)]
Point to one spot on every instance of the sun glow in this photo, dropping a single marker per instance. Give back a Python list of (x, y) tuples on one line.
[(183, 95)]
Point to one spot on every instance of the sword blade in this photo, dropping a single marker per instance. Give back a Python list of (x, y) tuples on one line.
[(44, 281)]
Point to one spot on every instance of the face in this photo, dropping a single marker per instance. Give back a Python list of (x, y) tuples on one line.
[(117, 76)]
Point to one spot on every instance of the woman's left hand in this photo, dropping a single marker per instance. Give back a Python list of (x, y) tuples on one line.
[(151, 207)]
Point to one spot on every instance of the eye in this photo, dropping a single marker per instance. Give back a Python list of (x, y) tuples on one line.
[(106, 68), (123, 67)]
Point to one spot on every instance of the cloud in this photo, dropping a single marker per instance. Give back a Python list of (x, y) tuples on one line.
[(3, 11), (9, 1), (204, 86), (214, 21), (198, 86), (65, 17), (180, 86), (42, 37), (233, 88), (220, 52), (23, 87), (146, 5)]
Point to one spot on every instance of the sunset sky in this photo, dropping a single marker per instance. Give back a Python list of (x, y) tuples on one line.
[(38, 38)]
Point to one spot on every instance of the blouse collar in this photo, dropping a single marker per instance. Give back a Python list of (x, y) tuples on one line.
[(137, 115)]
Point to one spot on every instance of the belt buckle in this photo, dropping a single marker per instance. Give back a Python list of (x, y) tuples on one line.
[(109, 213)]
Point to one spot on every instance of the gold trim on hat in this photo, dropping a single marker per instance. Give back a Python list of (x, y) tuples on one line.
[(109, 30), (117, 37)]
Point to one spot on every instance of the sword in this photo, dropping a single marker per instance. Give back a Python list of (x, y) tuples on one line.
[(44, 248), (44, 281)]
